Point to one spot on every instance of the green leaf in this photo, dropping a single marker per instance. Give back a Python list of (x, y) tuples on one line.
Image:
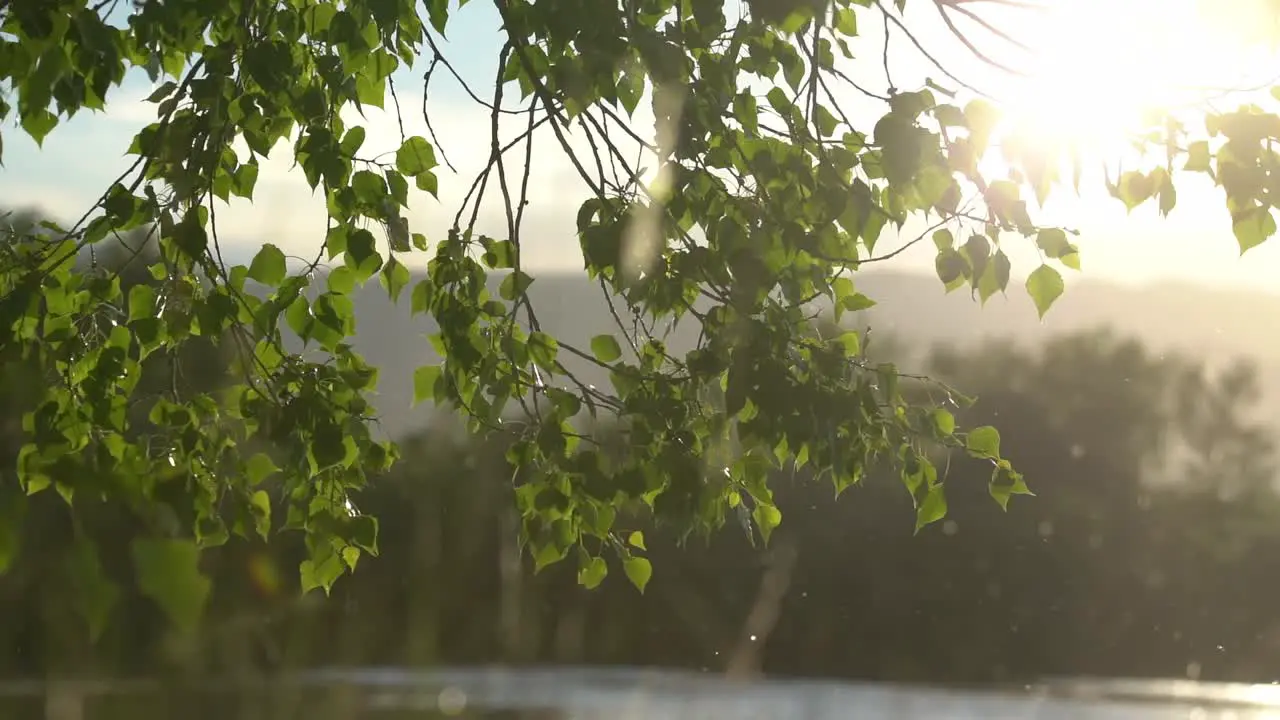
[(1071, 259), (1006, 483), (952, 268), (322, 570), (543, 349), (847, 298), (438, 11), (364, 533), (631, 89), (1134, 189), (268, 266), (1054, 243), (982, 117), (298, 316), (244, 181), (427, 182), (943, 421), (846, 22), (983, 442), (341, 280), (38, 124), (593, 573), (605, 348), (420, 298), (796, 20), (767, 517), (638, 571), (546, 555), (856, 302), (168, 573), (1252, 227), (260, 467), (500, 254), (394, 277), (424, 383), (260, 503), (354, 139), (514, 286), (142, 302), (1045, 286), (933, 508), (851, 343), (371, 91), (636, 539), (1198, 157), (415, 156)]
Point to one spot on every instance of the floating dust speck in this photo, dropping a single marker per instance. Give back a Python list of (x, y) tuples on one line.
[(452, 701)]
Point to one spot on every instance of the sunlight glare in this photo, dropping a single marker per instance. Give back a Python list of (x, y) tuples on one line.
[(1101, 67)]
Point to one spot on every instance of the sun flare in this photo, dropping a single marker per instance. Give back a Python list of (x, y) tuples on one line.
[(1097, 68)]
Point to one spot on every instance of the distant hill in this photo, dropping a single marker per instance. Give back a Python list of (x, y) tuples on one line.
[(1214, 324)]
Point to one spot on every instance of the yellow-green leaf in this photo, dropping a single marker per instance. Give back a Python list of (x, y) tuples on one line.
[(593, 573), (933, 508), (638, 571), (424, 382), (415, 156), (268, 266), (1045, 286), (983, 442), (1252, 227)]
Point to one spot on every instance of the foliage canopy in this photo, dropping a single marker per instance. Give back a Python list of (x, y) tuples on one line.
[(770, 201)]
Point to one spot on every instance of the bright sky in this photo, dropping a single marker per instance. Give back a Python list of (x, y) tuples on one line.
[(1093, 64)]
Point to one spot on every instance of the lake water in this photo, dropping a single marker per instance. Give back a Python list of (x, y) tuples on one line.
[(625, 694)]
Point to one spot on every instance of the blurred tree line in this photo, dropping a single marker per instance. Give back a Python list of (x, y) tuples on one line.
[(1150, 549)]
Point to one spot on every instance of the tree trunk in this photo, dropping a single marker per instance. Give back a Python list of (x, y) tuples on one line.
[(511, 585), (747, 659)]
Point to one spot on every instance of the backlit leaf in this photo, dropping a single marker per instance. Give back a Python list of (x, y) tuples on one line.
[(638, 570), (268, 266), (1045, 286), (605, 348), (415, 156)]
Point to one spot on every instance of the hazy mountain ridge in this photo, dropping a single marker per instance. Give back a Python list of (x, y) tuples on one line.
[(1213, 324)]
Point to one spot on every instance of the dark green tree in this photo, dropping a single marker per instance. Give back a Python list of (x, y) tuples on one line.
[(66, 555)]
